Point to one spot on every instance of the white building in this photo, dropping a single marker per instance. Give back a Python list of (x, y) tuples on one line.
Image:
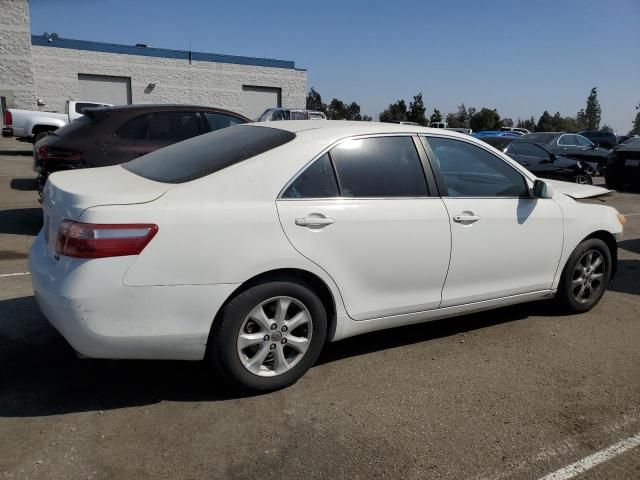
[(48, 70)]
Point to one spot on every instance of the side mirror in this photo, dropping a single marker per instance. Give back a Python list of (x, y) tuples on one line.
[(552, 157), (542, 189), (594, 146)]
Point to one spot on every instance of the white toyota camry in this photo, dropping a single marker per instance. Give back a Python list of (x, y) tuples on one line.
[(251, 246)]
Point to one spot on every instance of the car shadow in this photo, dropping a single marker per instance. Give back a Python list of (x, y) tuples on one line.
[(21, 221), (627, 279), (24, 184), (631, 245), (42, 376), (16, 153)]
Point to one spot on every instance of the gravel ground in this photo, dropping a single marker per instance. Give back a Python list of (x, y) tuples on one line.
[(508, 394)]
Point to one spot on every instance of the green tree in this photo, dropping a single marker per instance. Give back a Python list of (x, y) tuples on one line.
[(436, 116), (396, 112), (460, 119), (337, 110), (416, 110), (528, 124), (485, 119), (366, 118), (606, 128), (593, 111), (635, 129), (544, 123), (353, 112), (314, 101), (506, 122)]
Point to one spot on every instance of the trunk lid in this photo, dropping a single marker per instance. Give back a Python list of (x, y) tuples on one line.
[(67, 194)]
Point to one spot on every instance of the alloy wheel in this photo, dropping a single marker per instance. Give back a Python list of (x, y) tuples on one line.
[(587, 281), (274, 336)]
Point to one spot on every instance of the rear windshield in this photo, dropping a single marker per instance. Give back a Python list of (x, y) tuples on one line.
[(201, 156), (76, 126)]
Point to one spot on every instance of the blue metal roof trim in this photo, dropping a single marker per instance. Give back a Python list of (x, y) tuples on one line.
[(41, 41)]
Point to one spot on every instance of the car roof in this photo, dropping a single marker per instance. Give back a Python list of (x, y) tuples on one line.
[(350, 128), (154, 107)]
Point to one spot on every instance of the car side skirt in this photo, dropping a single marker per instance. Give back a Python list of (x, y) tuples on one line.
[(347, 327)]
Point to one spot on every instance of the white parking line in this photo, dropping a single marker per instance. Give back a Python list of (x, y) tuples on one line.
[(591, 461), (630, 214), (18, 274), (19, 205)]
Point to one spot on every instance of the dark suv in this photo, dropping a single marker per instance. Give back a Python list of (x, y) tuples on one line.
[(114, 135), (606, 140)]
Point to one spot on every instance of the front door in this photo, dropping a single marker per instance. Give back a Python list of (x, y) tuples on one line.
[(503, 242), (374, 228)]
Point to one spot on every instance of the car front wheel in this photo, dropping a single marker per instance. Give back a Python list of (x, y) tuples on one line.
[(585, 276), (268, 336)]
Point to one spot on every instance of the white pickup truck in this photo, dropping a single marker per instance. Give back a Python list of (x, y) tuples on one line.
[(32, 125)]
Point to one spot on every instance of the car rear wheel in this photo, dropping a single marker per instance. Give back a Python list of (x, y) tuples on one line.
[(268, 336), (585, 276)]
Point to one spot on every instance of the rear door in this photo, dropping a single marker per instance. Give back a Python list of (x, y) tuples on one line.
[(363, 213), (503, 242)]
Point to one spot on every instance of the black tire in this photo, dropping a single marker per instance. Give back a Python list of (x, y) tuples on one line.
[(566, 297), (223, 350)]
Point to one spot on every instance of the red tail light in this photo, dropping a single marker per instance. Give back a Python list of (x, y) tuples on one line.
[(50, 153), (91, 240), (8, 118)]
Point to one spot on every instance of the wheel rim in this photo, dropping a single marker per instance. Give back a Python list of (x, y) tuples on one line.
[(587, 280), (274, 336), (582, 180)]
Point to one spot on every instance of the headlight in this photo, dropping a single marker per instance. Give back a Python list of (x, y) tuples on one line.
[(621, 218)]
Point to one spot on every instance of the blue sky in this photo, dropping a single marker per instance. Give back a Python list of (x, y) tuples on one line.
[(519, 57)]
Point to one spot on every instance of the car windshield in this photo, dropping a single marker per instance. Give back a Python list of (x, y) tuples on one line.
[(498, 142), (201, 156), (541, 137)]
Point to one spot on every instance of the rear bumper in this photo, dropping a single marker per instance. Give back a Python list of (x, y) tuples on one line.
[(87, 303), (7, 132)]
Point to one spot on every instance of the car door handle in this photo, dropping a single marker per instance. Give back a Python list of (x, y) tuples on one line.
[(314, 220), (466, 218), (526, 164)]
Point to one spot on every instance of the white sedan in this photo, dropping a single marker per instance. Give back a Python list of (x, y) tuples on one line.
[(253, 245)]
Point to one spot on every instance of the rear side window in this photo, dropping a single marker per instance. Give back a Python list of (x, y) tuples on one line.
[(172, 126), (135, 128), (161, 126), (317, 181), (379, 167), (206, 154)]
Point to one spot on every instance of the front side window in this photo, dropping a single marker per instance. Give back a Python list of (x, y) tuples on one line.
[(527, 149), (219, 120), (317, 181), (470, 171), (379, 167)]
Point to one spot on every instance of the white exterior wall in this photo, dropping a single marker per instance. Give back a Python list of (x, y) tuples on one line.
[(201, 83), (16, 72)]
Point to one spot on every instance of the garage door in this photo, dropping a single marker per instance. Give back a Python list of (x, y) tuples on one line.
[(256, 100), (105, 89)]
